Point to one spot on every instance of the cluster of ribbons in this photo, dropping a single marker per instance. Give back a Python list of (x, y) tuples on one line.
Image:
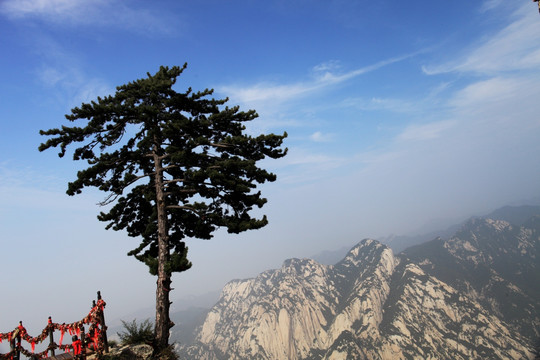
[(94, 337)]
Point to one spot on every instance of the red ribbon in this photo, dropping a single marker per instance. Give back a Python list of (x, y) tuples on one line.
[(76, 347), (33, 345), (96, 338)]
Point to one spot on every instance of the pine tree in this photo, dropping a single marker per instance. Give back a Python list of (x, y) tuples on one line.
[(174, 166)]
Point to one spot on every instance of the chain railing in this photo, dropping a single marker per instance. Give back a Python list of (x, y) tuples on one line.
[(92, 340)]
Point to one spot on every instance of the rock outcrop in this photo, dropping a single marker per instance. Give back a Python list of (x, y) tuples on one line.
[(440, 301), (131, 352)]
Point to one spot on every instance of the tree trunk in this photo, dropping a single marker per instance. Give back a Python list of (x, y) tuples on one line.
[(163, 322)]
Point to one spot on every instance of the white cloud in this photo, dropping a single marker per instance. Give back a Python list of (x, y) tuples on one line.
[(324, 77), (502, 107), (488, 91), (266, 91), (490, 5), (331, 65), (52, 10), (318, 136), (426, 131), (51, 76), (307, 165), (71, 84), (305, 158), (384, 104), (89, 12), (21, 8), (65, 76), (515, 47)]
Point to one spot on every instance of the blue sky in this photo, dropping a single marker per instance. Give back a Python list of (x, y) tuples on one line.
[(398, 114)]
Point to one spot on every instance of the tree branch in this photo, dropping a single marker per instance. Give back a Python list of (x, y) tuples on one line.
[(220, 145), (109, 199), (113, 196), (183, 207), (169, 167), (180, 190), (173, 181), (140, 177)]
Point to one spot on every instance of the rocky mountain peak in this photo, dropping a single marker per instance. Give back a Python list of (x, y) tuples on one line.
[(445, 299)]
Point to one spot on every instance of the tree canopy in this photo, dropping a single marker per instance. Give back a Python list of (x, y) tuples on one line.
[(175, 165)]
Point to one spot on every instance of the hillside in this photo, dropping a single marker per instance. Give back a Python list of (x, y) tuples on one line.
[(473, 296)]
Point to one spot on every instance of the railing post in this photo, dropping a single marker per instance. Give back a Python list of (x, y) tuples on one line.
[(51, 336), (83, 342), (12, 347), (103, 326), (19, 342)]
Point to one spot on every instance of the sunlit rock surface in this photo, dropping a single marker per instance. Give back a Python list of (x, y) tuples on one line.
[(441, 300)]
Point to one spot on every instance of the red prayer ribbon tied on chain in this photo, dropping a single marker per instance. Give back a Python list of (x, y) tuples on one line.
[(77, 347), (93, 318), (96, 338)]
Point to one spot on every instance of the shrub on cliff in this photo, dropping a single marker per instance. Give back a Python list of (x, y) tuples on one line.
[(134, 333)]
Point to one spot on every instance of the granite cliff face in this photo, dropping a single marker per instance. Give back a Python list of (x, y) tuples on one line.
[(496, 264), (374, 305)]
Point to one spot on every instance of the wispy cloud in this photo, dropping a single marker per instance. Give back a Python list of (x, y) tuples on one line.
[(64, 75), (426, 131), (490, 5), (319, 136), (304, 165), (381, 104), (89, 12), (486, 92), (515, 47), (72, 84), (478, 121), (502, 106), (325, 75), (331, 65), (46, 8)]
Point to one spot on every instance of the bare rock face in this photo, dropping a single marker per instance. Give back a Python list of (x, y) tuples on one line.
[(495, 263), (263, 316), (132, 352), (374, 305)]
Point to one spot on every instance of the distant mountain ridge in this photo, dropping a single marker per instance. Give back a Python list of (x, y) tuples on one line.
[(475, 295), (515, 215)]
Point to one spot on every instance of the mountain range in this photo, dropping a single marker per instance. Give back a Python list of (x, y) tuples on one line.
[(472, 295)]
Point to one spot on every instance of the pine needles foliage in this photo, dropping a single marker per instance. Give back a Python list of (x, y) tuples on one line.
[(135, 334)]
